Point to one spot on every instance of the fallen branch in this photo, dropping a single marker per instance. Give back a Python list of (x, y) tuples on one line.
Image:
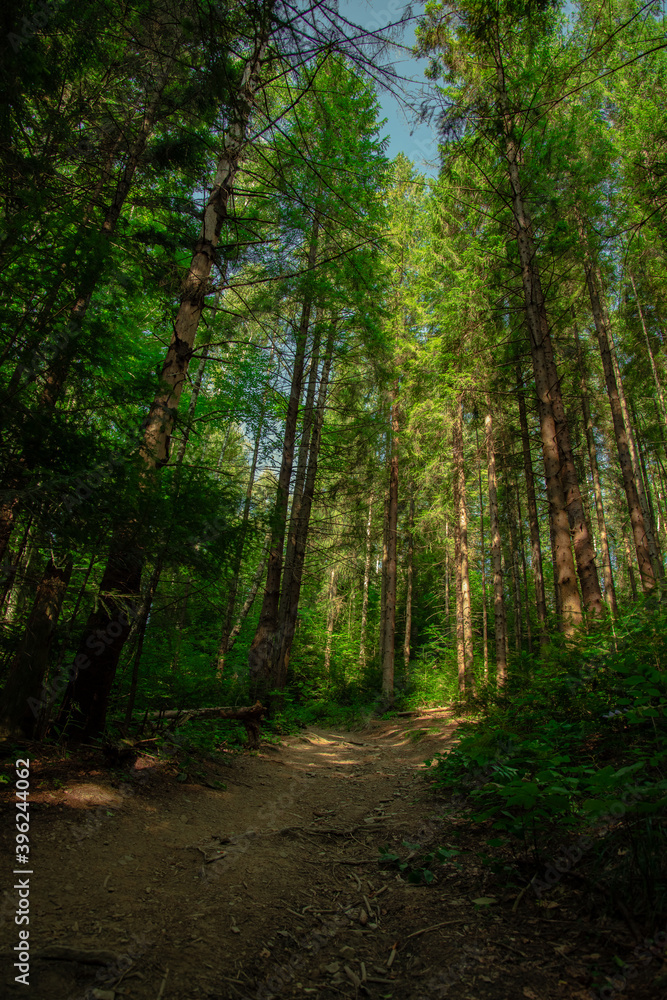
[(249, 715)]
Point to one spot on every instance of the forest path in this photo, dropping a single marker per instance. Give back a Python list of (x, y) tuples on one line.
[(184, 892)]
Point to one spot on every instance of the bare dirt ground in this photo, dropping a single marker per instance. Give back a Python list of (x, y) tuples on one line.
[(148, 888)]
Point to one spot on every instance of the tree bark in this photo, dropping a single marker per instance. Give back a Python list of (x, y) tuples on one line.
[(609, 588), (500, 620), (392, 524), (108, 626), (262, 653), (654, 370), (331, 621), (620, 432), (249, 601), (289, 603), (466, 612), (408, 589), (367, 577), (238, 556), (546, 386), (485, 624), (533, 520)]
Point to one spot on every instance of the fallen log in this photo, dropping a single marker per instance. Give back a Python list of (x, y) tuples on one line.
[(249, 715)]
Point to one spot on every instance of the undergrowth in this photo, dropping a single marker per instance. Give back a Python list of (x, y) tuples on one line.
[(575, 751)]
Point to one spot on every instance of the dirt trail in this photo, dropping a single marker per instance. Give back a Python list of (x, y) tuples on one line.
[(176, 891)]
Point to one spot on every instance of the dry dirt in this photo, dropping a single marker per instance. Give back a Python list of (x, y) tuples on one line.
[(148, 888)]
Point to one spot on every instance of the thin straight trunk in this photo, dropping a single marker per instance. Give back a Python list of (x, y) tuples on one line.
[(629, 565), (516, 577), (554, 562), (331, 621), (500, 620), (392, 525), (289, 603), (485, 624), (524, 570), (644, 499), (384, 570), (547, 386), (447, 573), (305, 452), (458, 586), (646, 485), (621, 431), (654, 370), (466, 611), (408, 589), (533, 521), (252, 594), (367, 577), (238, 556), (140, 625), (72, 618), (609, 588), (262, 650), (121, 581), (24, 698)]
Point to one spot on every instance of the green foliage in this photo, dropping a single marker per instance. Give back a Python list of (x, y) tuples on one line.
[(566, 748)]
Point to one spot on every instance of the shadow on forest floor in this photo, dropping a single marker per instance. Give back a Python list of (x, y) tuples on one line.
[(263, 879)]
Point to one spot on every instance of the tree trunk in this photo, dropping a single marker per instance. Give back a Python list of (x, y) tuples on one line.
[(25, 697), (621, 433), (367, 577), (331, 621), (466, 614), (392, 525), (261, 655), (408, 589), (516, 575), (238, 556), (248, 603), (609, 588), (485, 624), (524, 570), (644, 500), (109, 625), (447, 573), (289, 603), (546, 386), (654, 370), (533, 520), (500, 620)]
